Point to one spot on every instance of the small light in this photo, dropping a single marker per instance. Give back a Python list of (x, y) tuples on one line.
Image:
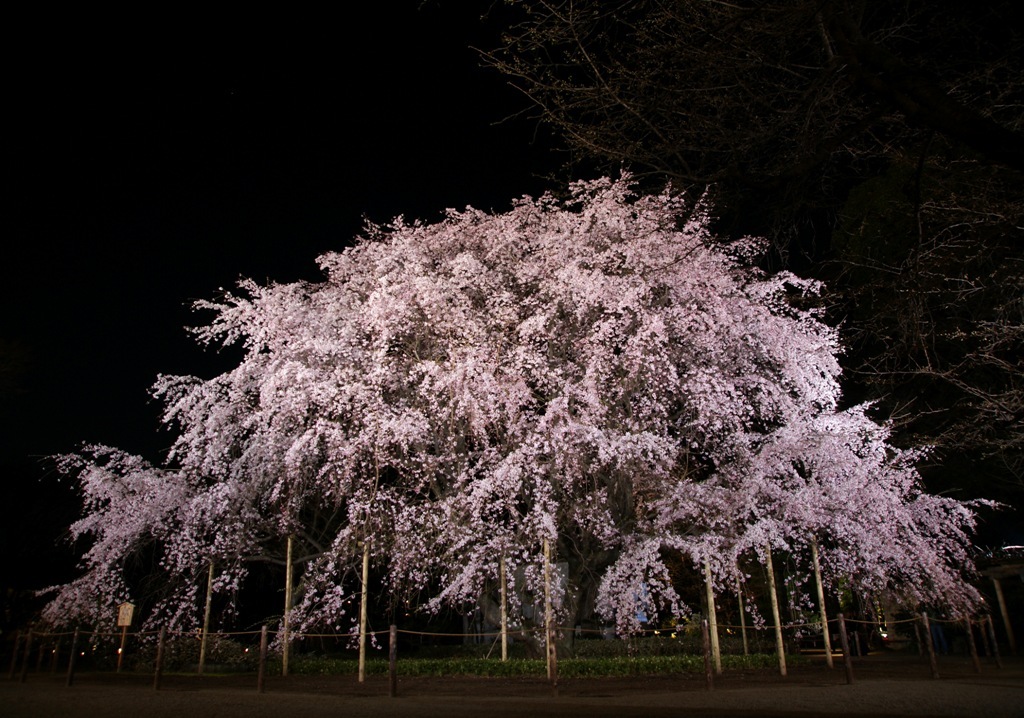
[(119, 651)]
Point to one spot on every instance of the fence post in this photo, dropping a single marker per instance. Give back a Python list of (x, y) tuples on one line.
[(709, 680), (71, 659), (55, 656), (14, 654), (25, 657), (844, 641), (968, 624), (393, 661), (158, 670), (261, 675), (926, 627), (504, 611)]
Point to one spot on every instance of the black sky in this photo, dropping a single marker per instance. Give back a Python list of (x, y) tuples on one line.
[(152, 160)]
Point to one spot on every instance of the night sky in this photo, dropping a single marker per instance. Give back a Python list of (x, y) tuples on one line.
[(152, 160)]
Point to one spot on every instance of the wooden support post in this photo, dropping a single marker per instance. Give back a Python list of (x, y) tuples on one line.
[(743, 616), (716, 653), (780, 646), (55, 655), (995, 643), (825, 637), (920, 641), (1006, 615), (14, 655), (844, 641), (25, 657), (362, 612), (926, 627), (206, 619), (504, 611), (120, 651), (286, 619), (969, 626), (40, 653), (71, 660), (709, 680), (158, 667), (262, 671), (393, 661)]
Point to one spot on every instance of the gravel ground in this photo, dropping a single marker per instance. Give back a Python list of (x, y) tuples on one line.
[(885, 685)]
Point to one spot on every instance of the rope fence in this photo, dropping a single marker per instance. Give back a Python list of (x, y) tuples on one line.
[(43, 649)]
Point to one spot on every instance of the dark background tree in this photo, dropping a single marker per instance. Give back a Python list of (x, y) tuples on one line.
[(878, 144)]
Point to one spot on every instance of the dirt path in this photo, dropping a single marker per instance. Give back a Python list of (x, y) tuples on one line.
[(886, 685)]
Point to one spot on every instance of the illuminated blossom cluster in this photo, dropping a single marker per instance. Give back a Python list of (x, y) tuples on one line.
[(599, 373)]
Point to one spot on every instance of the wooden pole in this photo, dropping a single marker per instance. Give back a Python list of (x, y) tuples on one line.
[(206, 619), (1006, 615), (393, 661), (158, 669), (926, 627), (920, 641), (743, 616), (55, 655), (362, 612), (28, 652), (780, 646), (71, 660), (262, 672), (120, 651), (39, 656), (504, 612), (14, 655), (826, 638), (844, 641), (716, 653), (709, 680), (286, 623), (995, 643), (969, 626)]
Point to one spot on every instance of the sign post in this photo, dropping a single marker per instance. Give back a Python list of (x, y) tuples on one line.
[(124, 619)]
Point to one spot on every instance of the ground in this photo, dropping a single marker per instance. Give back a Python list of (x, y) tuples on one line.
[(884, 685)]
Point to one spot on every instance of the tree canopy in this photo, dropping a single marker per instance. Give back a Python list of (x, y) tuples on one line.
[(600, 373)]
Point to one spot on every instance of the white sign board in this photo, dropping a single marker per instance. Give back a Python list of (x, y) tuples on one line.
[(124, 614)]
